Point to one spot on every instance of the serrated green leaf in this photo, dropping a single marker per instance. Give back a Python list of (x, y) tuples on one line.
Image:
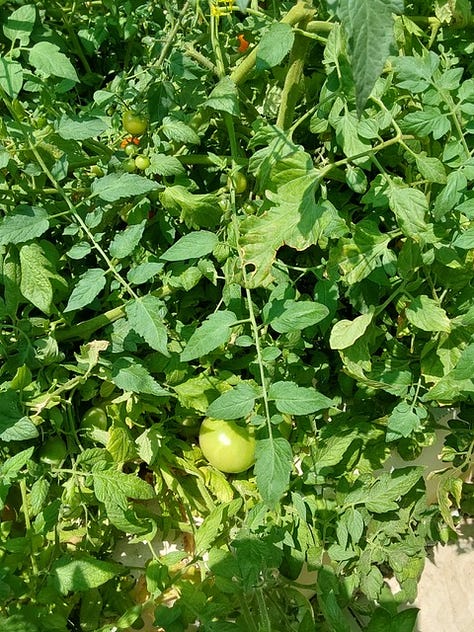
[(401, 422), (69, 575), (191, 246), (77, 128), (165, 165), (112, 486), (11, 77), (36, 277), (211, 334), (329, 452), (38, 494), (383, 496), (290, 315), (16, 429), (369, 27), (425, 122), (49, 61), (11, 466), (297, 400), (410, 207), (90, 285), (357, 257), (234, 404), (465, 240), (224, 97), (426, 314), (346, 332), (145, 316), (274, 459), (131, 376), (274, 46), (125, 242), (176, 130), (19, 24), (197, 210), (116, 186), (25, 224), (213, 524), (431, 168), (295, 220)]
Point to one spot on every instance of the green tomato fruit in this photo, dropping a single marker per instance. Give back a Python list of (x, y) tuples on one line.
[(130, 149), (53, 451), (227, 446), (129, 165), (134, 123), (96, 171), (142, 162), (94, 418), (238, 181)]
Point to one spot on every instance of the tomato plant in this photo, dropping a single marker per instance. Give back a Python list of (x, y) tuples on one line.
[(227, 446), (298, 254)]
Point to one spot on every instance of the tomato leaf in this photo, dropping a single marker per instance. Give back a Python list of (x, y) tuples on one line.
[(27, 223), (71, 575), (89, 286), (191, 246), (234, 404), (275, 44), (425, 313), (214, 332), (131, 376), (346, 332), (145, 316), (297, 400), (48, 60), (124, 243), (116, 186), (224, 97), (273, 465), (369, 27)]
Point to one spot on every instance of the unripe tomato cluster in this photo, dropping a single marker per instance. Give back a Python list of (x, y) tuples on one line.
[(135, 124)]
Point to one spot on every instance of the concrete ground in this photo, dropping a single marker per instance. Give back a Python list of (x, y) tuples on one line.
[(446, 590)]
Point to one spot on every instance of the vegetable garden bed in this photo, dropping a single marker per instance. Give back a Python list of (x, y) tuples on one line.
[(237, 249)]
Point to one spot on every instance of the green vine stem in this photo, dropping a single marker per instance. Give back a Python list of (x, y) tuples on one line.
[(292, 87), (301, 12)]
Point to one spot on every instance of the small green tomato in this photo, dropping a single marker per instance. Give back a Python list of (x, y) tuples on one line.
[(129, 165), (142, 162)]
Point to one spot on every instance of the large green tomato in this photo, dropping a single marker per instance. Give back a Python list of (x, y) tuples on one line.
[(227, 446), (134, 123), (94, 418), (53, 451)]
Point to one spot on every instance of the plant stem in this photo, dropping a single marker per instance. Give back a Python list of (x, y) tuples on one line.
[(26, 513), (292, 87), (299, 13)]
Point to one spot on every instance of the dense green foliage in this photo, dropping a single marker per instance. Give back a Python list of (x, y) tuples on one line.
[(278, 234)]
